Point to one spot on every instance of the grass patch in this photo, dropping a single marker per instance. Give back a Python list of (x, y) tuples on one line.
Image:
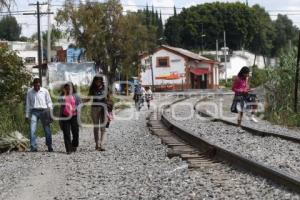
[(13, 119), (227, 84)]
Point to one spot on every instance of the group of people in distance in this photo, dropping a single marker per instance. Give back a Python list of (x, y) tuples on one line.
[(39, 105), (142, 94)]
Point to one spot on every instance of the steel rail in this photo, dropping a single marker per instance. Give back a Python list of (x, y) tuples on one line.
[(235, 159)]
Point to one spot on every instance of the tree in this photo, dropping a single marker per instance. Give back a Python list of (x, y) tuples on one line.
[(24, 39), (13, 76), (263, 33), (56, 34), (6, 4), (215, 18), (286, 34), (175, 11), (147, 16), (172, 31), (111, 39), (9, 29), (136, 37), (156, 26), (246, 27)]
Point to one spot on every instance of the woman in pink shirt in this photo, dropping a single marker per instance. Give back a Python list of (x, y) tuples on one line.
[(242, 97), (68, 116)]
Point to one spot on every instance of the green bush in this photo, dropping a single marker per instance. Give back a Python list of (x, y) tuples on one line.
[(280, 92), (13, 76), (259, 76), (227, 84)]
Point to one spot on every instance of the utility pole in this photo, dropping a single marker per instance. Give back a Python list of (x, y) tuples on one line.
[(225, 57), (49, 34), (38, 14), (297, 77), (217, 50), (150, 57), (202, 38)]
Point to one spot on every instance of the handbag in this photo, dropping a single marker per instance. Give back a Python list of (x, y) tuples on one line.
[(236, 100), (251, 98), (46, 118)]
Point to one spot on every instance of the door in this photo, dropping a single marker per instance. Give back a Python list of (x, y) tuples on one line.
[(203, 81), (192, 78)]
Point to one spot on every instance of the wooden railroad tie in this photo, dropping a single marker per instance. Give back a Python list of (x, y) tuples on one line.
[(177, 147)]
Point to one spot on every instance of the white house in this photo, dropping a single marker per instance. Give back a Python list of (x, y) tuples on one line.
[(28, 52), (175, 68), (238, 59)]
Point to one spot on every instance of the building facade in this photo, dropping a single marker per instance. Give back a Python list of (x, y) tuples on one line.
[(175, 68)]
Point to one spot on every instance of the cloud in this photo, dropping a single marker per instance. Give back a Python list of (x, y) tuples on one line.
[(130, 5)]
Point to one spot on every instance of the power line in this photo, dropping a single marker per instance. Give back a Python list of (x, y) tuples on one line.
[(17, 11), (284, 12), (169, 7), (293, 12)]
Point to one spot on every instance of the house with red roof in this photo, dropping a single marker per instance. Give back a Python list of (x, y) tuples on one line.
[(172, 68)]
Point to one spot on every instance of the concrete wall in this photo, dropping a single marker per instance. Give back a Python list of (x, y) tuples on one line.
[(233, 67)]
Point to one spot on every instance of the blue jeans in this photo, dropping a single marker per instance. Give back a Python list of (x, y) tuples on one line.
[(35, 116)]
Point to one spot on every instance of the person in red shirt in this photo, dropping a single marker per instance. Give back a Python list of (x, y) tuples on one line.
[(242, 97), (68, 116)]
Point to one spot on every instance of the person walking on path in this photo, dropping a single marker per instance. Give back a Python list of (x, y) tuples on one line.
[(98, 111), (38, 106), (242, 97), (148, 96), (68, 116), (138, 97)]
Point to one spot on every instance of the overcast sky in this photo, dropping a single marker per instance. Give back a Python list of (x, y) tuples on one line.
[(290, 7)]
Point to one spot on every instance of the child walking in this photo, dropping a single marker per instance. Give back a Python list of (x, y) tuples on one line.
[(68, 116), (242, 97)]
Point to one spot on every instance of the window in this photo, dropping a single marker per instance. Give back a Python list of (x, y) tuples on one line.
[(163, 62), (30, 60)]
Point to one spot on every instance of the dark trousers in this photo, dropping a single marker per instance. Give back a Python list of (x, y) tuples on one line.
[(68, 126)]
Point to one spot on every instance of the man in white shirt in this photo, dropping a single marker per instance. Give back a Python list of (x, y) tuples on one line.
[(38, 105)]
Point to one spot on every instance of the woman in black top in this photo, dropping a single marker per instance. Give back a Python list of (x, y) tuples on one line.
[(99, 106)]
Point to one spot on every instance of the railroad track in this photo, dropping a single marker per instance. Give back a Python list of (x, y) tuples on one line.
[(249, 129), (199, 152)]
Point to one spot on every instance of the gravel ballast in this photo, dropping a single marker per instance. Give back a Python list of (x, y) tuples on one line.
[(134, 166), (278, 153), (225, 102)]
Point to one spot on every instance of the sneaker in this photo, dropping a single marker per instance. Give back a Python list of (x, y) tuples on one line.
[(33, 150), (50, 149), (253, 119)]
